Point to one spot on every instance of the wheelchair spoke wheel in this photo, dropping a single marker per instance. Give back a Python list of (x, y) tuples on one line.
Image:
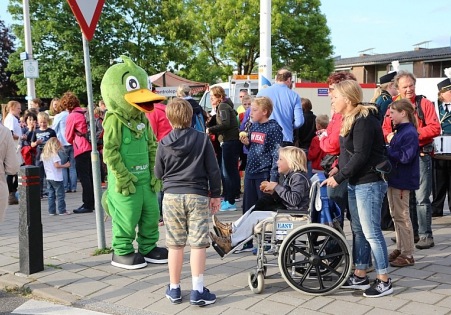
[(315, 259), (256, 281)]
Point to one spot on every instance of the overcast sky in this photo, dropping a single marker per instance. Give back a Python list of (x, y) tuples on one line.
[(385, 25)]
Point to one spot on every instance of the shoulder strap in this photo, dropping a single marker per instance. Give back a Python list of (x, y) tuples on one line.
[(418, 108)]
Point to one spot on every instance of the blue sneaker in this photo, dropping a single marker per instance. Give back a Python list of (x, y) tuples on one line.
[(226, 206), (246, 247), (202, 299), (174, 295)]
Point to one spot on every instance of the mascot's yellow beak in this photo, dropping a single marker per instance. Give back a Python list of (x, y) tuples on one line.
[(143, 99)]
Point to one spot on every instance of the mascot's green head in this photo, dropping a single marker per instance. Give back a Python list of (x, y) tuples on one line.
[(126, 90)]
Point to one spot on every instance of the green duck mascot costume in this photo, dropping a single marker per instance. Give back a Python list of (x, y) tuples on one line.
[(129, 153)]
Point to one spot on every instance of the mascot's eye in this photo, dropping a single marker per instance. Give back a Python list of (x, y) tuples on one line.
[(149, 84), (132, 83)]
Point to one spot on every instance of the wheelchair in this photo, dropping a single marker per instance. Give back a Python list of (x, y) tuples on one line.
[(313, 258)]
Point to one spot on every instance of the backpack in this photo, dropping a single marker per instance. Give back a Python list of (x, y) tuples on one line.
[(99, 131), (86, 135), (323, 209), (200, 123)]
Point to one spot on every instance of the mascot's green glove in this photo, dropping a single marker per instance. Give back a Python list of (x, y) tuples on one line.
[(155, 184), (125, 186)]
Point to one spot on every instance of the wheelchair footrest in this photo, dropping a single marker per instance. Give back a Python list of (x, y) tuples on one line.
[(218, 249)]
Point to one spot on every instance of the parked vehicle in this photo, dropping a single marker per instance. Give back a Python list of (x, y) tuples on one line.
[(232, 88)]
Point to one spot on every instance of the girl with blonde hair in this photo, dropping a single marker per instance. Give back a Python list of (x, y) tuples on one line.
[(362, 148), (53, 170)]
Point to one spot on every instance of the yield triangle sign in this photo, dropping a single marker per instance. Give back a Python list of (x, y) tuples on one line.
[(87, 13)]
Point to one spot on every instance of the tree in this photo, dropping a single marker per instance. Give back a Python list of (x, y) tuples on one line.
[(134, 28), (201, 40), (228, 33), (7, 87)]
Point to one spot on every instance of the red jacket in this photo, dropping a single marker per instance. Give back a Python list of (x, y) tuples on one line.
[(315, 154), (331, 143), (159, 122), (76, 121), (426, 133)]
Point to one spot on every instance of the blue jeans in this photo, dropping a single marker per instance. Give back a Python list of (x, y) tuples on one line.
[(422, 194), (365, 203), (56, 188), (229, 168), (69, 174)]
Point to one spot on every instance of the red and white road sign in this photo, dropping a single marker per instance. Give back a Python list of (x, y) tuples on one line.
[(87, 13)]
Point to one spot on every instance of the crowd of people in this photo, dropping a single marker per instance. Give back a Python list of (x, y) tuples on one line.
[(58, 166), (279, 143)]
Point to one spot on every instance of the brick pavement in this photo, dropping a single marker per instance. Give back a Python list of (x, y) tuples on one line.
[(73, 276)]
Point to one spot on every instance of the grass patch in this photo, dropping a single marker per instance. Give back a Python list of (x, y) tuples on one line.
[(24, 291), (103, 251), (53, 266)]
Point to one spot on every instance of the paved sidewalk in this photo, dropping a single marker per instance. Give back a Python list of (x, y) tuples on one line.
[(73, 276)]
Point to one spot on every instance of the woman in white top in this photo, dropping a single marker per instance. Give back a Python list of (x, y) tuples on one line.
[(11, 116)]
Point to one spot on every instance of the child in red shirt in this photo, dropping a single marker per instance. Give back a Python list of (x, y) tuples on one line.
[(315, 154)]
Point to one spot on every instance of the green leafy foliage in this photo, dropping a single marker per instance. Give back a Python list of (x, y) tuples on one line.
[(202, 40), (7, 87)]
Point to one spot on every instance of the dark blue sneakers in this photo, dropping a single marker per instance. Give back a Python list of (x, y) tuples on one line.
[(202, 299), (174, 295)]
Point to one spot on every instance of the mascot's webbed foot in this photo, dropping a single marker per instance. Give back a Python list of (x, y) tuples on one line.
[(130, 261), (158, 255)]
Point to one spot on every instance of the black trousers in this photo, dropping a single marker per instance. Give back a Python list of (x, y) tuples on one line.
[(84, 170), (12, 182), (442, 184)]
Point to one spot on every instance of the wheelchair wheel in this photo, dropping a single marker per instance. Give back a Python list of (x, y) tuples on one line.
[(256, 282), (304, 260)]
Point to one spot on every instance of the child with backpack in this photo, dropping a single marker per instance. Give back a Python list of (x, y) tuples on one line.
[(53, 169)]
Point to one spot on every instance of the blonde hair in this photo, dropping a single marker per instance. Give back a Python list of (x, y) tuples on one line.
[(179, 113), (7, 108), (246, 98), (322, 120), (405, 105), (43, 115), (50, 149), (296, 159), (352, 91), (183, 90), (378, 91), (98, 112), (440, 94), (264, 103)]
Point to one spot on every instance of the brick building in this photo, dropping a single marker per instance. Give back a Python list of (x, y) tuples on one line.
[(422, 62)]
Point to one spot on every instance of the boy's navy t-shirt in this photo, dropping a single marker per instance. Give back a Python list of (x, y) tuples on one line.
[(43, 135)]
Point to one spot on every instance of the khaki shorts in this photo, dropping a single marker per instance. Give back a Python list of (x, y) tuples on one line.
[(186, 219)]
